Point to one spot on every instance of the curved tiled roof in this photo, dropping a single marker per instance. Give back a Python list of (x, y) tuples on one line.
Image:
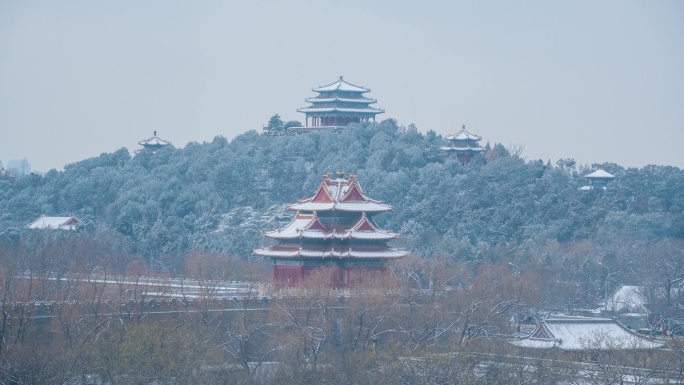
[(583, 333), (600, 173), (341, 85), (336, 190), (463, 135)]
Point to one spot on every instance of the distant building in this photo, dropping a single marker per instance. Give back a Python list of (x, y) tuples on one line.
[(4, 174), (598, 178), (584, 333), (153, 144), (337, 105), (18, 167), (334, 228), (463, 145), (54, 223)]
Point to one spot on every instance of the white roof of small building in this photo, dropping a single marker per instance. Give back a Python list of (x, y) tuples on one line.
[(600, 173), (154, 141), (56, 223), (584, 333), (463, 135), (341, 85)]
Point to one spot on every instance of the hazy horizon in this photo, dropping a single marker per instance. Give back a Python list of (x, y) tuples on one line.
[(597, 82)]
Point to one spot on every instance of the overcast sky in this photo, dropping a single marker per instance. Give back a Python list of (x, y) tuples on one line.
[(598, 81)]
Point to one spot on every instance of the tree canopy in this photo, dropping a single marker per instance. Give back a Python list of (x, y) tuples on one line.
[(220, 196)]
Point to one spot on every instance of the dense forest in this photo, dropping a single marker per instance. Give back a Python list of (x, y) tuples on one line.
[(492, 243), (219, 196)]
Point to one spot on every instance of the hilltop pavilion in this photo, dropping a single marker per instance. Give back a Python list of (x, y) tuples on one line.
[(337, 105), (153, 144), (464, 145), (598, 178), (334, 228)]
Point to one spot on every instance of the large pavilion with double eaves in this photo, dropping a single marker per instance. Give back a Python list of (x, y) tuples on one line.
[(337, 105)]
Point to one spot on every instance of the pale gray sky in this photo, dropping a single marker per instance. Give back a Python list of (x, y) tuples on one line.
[(599, 81)]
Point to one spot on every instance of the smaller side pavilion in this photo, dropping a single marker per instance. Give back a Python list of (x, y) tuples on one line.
[(54, 223), (337, 105), (584, 333), (153, 144), (598, 178), (463, 145)]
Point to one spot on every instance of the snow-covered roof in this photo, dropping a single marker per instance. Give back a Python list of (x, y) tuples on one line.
[(463, 135), (357, 207), (56, 223), (341, 85), (311, 227), (154, 141), (365, 110), (626, 297), (342, 195), (362, 100), (584, 333), (311, 251), (600, 173), (462, 148)]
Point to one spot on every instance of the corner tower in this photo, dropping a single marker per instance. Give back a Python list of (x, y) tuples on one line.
[(334, 228)]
